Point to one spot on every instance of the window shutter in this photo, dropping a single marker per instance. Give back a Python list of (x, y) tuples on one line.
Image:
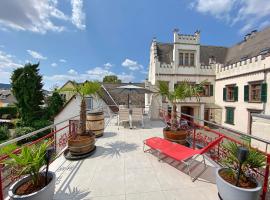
[(264, 92), (224, 94), (211, 90), (235, 93), (246, 93)]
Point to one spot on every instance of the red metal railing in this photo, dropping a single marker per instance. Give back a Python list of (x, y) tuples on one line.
[(59, 139), (199, 136)]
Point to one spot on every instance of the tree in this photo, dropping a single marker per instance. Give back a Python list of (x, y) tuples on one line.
[(182, 91), (26, 84), (55, 104), (82, 90), (111, 79)]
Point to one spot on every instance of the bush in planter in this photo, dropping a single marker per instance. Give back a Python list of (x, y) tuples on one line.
[(29, 162), (4, 133), (254, 160), (182, 91), (234, 181)]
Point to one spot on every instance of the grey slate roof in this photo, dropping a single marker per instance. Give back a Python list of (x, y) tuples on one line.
[(121, 99), (165, 52), (250, 48), (224, 55), (206, 52)]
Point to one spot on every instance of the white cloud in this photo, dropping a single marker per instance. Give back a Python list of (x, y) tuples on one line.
[(96, 73), (131, 64), (108, 65), (36, 55), (126, 78), (78, 16), (250, 14), (7, 64), (54, 65), (7, 61), (2, 46), (62, 60), (72, 72), (38, 16)]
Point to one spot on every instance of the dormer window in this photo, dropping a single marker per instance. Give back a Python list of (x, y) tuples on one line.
[(187, 58)]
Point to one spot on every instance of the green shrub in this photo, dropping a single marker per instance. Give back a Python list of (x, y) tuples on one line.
[(10, 110), (4, 133), (38, 124), (8, 148), (20, 131)]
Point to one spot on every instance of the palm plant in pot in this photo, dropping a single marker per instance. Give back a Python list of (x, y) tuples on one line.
[(34, 184), (173, 131), (234, 180), (83, 142)]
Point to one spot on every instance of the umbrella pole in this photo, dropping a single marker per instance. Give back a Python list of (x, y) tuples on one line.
[(128, 100)]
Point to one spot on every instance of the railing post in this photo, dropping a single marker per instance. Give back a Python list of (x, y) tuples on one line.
[(1, 186), (266, 175), (194, 137)]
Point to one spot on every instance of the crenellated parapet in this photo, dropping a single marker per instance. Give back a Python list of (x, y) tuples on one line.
[(257, 63)]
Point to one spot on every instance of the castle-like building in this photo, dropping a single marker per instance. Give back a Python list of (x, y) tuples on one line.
[(237, 77)]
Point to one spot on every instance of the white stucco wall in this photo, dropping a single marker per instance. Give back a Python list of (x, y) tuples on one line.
[(226, 77)]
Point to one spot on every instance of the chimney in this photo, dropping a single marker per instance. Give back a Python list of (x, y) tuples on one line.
[(175, 35)]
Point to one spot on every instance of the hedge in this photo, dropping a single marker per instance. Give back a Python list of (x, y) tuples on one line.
[(10, 110)]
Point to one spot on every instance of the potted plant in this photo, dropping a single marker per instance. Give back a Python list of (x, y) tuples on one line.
[(234, 180), (173, 131), (83, 142), (34, 184)]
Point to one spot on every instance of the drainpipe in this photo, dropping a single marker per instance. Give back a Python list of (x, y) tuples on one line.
[(264, 80)]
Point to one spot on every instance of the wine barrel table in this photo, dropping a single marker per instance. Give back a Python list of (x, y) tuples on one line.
[(95, 123), (81, 144)]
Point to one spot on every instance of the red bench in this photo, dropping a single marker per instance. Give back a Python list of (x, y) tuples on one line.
[(179, 152)]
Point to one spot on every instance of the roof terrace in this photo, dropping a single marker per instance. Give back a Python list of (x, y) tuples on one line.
[(120, 169)]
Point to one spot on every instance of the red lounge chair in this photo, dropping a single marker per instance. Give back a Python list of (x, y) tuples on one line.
[(179, 152)]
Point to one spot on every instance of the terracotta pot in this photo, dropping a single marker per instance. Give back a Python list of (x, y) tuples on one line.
[(81, 144), (175, 136), (95, 123)]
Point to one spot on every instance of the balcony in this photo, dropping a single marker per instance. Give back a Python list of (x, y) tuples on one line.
[(120, 169)]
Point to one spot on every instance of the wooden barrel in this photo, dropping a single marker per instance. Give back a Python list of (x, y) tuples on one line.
[(95, 123), (81, 144)]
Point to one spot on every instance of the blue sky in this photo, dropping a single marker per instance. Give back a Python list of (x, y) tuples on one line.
[(88, 39)]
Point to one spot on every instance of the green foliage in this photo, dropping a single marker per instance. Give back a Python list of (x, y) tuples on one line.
[(255, 159), (111, 79), (86, 88), (4, 133), (7, 149), (11, 110), (27, 88), (29, 161), (55, 104), (20, 131), (182, 91)]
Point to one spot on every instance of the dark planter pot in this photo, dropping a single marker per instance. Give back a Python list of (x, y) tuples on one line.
[(45, 193), (228, 191), (178, 136)]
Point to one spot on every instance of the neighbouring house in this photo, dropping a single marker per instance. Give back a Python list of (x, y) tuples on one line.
[(7, 98), (106, 99), (238, 77)]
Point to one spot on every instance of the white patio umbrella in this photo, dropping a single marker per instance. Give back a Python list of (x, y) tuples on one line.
[(130, 89)]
